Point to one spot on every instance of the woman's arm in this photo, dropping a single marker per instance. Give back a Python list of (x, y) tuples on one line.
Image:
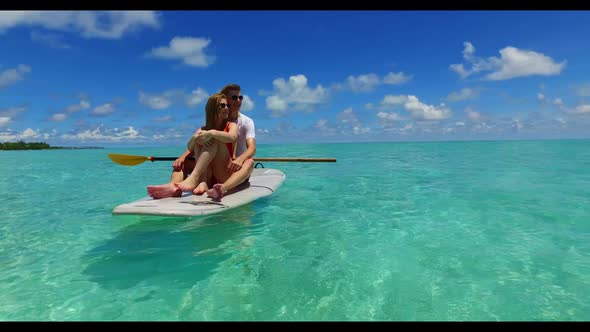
[(222, 136), (190, 145)]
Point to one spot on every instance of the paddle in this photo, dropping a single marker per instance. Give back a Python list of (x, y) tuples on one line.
[(131, 160)]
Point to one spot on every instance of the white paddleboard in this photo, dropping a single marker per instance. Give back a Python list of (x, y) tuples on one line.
[(263, 182)]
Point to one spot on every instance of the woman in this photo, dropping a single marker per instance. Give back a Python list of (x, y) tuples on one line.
[(219, 131)]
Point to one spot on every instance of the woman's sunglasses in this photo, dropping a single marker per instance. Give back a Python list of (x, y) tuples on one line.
[(236, 97), (223, 105)]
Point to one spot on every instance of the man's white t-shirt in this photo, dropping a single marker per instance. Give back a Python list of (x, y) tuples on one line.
[(245, 130)]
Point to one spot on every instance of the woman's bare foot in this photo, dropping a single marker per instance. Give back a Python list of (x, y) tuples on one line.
[(216, 192), (188, 184), (163, 191), (201, 188)]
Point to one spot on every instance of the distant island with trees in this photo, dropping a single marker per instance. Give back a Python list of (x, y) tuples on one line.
[(21, 145)]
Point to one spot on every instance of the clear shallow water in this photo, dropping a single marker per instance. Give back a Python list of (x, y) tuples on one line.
[(392, 231)]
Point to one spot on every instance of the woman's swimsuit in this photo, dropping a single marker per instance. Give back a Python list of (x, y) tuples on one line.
[(230, 146)]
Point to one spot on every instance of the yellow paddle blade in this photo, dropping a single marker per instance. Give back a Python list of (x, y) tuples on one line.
[(127, 160)]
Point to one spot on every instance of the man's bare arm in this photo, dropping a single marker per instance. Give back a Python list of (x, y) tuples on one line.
[(250, 149), (177, 165), (236, 164)]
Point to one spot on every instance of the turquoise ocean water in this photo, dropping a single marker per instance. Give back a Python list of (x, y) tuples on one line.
[(392, 231)]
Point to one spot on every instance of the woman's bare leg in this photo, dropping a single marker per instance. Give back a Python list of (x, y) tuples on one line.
[(240, 176), (219, 169), (203, 158), (235, 179), (169, 189), (201, 188)]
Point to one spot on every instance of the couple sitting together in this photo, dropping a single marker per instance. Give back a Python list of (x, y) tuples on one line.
[(223, 151)]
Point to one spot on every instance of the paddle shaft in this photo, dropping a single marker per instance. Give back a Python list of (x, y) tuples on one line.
[(261, 159)]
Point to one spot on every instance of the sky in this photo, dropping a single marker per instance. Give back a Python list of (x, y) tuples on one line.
[(142, 78)]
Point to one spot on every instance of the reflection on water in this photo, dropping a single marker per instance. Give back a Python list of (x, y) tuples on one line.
[(155, 249)]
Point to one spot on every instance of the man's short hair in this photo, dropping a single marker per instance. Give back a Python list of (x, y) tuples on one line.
[(230, 87)]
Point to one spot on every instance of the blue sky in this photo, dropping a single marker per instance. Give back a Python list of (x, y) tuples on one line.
[(78, 78)]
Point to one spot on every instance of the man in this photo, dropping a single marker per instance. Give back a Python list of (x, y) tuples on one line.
[(242, 165), (239, 167)]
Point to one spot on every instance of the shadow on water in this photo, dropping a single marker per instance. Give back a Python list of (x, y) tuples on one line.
[(165, 250)]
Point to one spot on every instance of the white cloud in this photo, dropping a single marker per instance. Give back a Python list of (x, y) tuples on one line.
[(82, 105), (517, 125), (348, 117), (513, 62), (47, 39), (166, 133), (321, 124), (460, 70), (175, 96), (102, 134), (583, 90), (27, 134), (247, 104), (582, 109), (464, 94), (483, 127), (30, 133), (190, 50), (11, 76), (468, 50), (477, 63), (407, 128), (473, 115), (294, 95), (4, 120), (275, 103), (157, 102), (368, 82), (358, 130), (285, 127), (394, 100), (447, 130), (262, 131), (196, 97), (390, 102), (12, 112), (418, 110), (7, 115), (103, 24), (518, 63), (166, 118), (543, 99), (362, 83), (396, 78), (388, 117), (104, 109), (58, 117)]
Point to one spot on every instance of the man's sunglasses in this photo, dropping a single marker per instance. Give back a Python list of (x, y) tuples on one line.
[(236, 97)]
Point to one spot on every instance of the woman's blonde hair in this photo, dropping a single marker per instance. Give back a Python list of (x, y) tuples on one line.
[(211, 110)]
